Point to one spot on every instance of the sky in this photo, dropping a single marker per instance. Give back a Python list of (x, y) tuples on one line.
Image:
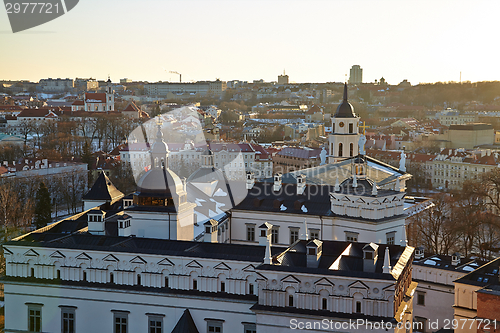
[(313, 41)]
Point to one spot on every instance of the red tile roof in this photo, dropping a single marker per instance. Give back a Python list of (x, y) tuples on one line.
[(99, 97)]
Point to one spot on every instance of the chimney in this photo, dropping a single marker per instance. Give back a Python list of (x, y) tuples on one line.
[(370, 257), (277, 182), (96, 221), (314, 251), (387, 262), (301, 184), (404, 241), (305, 234), (265, 231), (250, 180), (419, 253), (210, 231), (455, 259)]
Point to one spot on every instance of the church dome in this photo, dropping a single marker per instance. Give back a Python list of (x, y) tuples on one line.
[(159, 182), (345, 109)]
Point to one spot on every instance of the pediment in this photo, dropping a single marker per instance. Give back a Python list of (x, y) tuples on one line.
[(389, 288), (249, 268), (110, 257), (165, 262), (290, 279), (7, 251), (345, 199), (83, 256), (260, 277), (375, 202), (359, 285), (386, 200), (324, 282), (360, 201), (31, 253), (57, 254), (138, 260), (222, 266), (194, 264)]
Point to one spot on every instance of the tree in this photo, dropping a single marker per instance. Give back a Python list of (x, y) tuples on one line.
[(43, 207), (433, 228)]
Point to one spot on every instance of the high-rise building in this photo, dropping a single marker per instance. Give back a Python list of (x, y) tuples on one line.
[(355, 75), (283, 79)]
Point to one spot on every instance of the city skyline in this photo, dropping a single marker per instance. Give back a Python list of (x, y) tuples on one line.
[(316, 41)]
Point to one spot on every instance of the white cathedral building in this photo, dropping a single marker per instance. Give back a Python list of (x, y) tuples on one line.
[(326, 243)]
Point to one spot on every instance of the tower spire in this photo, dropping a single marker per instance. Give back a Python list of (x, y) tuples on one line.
[(345, 92)]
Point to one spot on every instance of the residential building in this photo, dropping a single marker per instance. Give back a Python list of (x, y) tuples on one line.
[(290, 159), (55, 85), (355, 75), (435, 294), (476, 299), (200, 88)]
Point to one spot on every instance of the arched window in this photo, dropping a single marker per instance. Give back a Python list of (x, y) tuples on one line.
[(351, 149), (341, 149)]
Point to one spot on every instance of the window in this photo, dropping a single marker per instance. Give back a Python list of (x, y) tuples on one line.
[(222, 286), (120, 322), (340, 149), (313, 233), (290, 300), (84, 276), (111, 278), (294, 235), (138, 279), (351, 128), (58, 274), (420, 298), (249, 328), (155, 324), (214, 326), (419, 324), (351, 236), (358, 307), (274, 235), (32, 272), (391, 236), (351, 149), (166, 282), (250, 233), (34, 317), (68, 319), (324, 304), (195, 284), (250, 289)]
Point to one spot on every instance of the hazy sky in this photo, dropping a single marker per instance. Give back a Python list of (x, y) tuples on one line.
[(315, 41)]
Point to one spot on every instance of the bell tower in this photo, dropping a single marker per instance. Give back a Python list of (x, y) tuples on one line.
[(110, 96), (343, 142)]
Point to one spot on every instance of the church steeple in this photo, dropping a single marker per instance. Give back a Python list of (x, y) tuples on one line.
[(345, 134), (159, 150)]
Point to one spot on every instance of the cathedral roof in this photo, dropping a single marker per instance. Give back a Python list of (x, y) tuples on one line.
[(103, 189), (345, 109)]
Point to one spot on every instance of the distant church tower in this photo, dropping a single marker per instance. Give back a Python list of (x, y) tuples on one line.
[(344, 138), (110, 96)]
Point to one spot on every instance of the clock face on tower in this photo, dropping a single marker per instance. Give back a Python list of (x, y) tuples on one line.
[(341, 124)]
